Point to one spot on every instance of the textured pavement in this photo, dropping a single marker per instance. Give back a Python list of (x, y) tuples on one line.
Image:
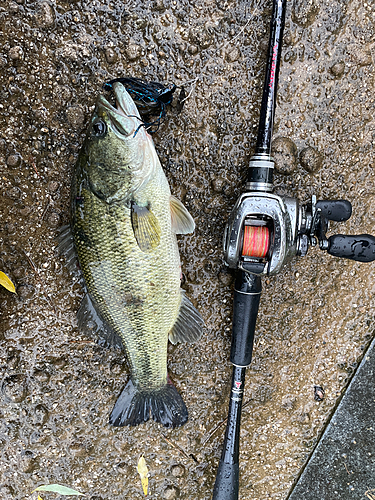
[(343, 463)]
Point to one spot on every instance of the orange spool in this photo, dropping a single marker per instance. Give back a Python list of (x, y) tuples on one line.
[(256, 241)]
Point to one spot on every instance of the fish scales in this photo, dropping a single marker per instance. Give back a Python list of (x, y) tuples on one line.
[(124, 225), (138, 293)]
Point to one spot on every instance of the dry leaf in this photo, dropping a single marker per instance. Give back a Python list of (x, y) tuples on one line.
[(7, 282), (143, 472)]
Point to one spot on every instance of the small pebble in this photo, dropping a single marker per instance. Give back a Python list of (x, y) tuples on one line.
[(304, 418), (318, 393), (16, 53), (14, 161), (288, 38), (288, 402), (310, 159), (364, 58), (45, 16), (133, 51), (171, 492), (110, 55), (192, 49), (53, 219), (284, 152), (53, 186), (233, 55), (178, 470), (13, 359), (159, 5), (63, 94), (25, 211), (338, 69), (11, 228), (304, 12), (15, 390), (40, 415), (76, 116), (218, 184)]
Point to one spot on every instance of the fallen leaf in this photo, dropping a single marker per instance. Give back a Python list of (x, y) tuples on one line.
[(143, 472), (7, 282), (57, 488)]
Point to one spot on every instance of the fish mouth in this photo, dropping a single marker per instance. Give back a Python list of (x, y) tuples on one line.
[(124, 116)]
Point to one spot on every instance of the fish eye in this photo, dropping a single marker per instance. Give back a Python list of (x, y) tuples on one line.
[(99, 128)]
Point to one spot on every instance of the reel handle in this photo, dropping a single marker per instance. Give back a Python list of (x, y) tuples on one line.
[(360, 247), (335, 210)]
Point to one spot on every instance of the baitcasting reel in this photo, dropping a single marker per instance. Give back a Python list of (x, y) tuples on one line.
[(265, 231)]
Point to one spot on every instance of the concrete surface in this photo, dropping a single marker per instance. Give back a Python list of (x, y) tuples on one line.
[(343, 463)]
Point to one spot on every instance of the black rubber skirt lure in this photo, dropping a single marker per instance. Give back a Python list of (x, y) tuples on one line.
[(151, 99)]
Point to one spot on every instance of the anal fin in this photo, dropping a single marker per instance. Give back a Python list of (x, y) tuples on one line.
[(189, 323)]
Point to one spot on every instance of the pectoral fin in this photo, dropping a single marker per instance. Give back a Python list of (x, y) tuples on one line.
[(146, 227), (182, 221)]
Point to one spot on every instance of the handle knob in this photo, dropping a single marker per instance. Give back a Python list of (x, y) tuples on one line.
[(360, 248), (336, 210)]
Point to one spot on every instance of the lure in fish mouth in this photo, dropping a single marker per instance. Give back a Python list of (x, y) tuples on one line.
[(123, 229), (124, 116)]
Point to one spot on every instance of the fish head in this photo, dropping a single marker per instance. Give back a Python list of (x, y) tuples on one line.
[(120, 153)]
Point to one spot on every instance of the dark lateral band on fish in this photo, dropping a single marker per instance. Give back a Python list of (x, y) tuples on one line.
[(122, 241)]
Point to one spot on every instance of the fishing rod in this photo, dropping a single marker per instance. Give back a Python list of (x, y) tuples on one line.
[(264, 231)]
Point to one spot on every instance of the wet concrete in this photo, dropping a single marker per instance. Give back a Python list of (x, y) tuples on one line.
[(316, 317), (343, 465)]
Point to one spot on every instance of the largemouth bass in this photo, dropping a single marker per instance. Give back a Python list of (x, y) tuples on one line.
[(123, 227)]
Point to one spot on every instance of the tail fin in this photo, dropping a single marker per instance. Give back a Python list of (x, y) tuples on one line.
[(134, 406)]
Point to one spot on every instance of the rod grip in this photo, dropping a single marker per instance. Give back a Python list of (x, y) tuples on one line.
[(226, 484), (246, 299), (360, 247)]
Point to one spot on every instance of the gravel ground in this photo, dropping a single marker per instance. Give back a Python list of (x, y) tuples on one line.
[(316, 318)]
